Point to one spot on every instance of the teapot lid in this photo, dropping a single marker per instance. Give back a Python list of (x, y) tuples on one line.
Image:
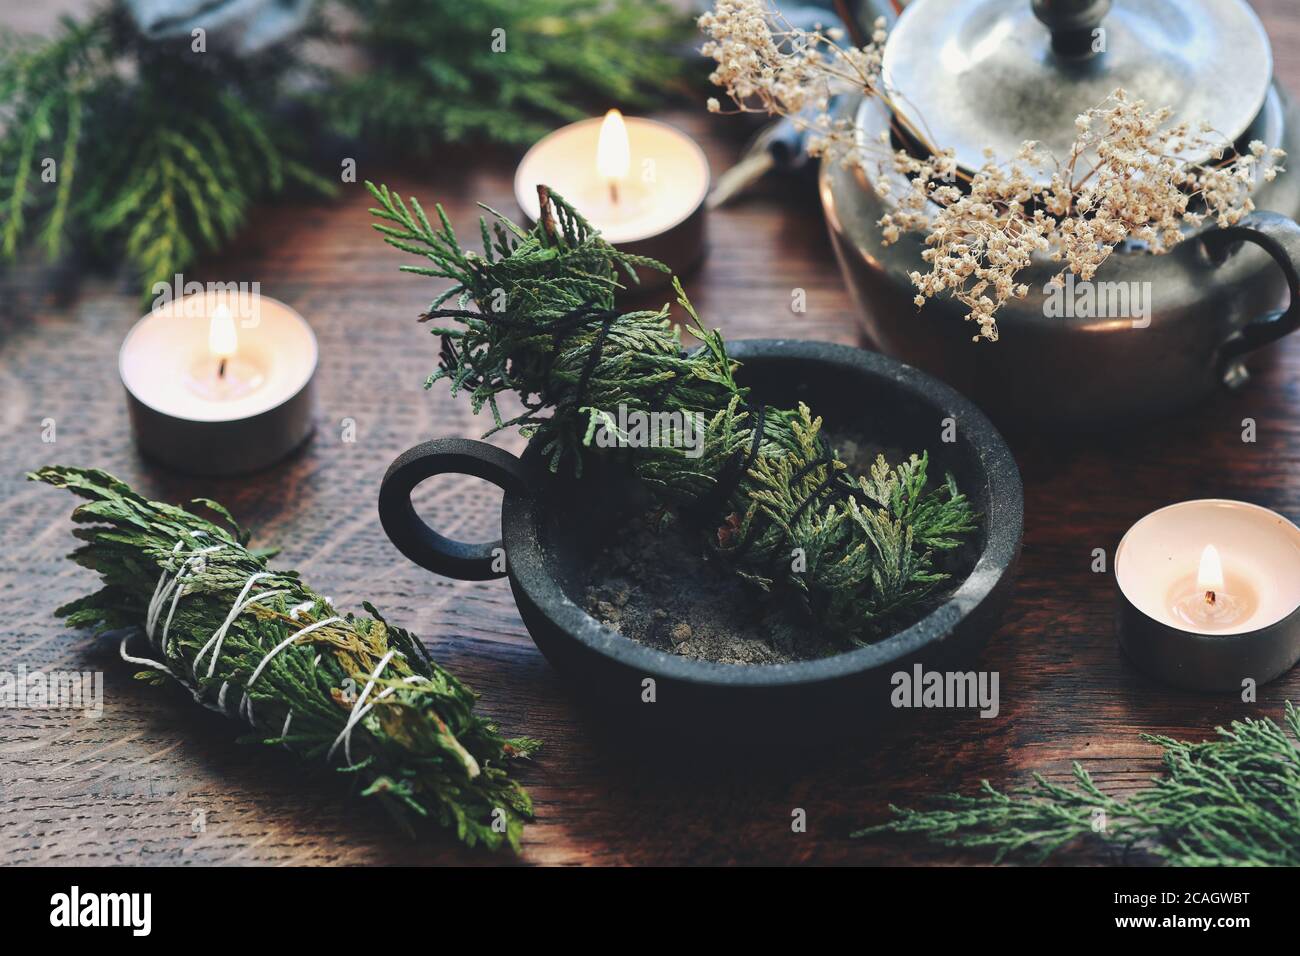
[(971, 75)]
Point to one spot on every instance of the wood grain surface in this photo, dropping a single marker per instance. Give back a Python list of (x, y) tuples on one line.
[(156, 781)]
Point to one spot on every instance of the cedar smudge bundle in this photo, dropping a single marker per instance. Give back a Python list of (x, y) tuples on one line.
[(261, 646), (775, 501)]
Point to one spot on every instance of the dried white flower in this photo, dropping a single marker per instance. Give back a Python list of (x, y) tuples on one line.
[(1129, 175)]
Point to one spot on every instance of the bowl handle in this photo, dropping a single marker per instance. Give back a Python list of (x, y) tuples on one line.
[(419, 542), (1279, 236)]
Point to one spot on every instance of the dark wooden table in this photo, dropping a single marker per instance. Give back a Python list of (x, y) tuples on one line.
[(133, 785)]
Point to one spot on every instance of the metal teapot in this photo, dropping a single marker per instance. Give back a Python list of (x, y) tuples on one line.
[(994, 73)]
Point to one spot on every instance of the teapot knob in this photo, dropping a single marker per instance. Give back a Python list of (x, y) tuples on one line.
[(1073, 23)]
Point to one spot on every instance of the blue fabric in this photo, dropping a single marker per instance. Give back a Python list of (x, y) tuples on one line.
[(241, 27)]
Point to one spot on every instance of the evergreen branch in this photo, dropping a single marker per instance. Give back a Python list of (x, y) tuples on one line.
[(1233, 801), (351, 691), (167, 149), (534, 314), (42, 92), (170, 149), (444, 71), (52, 234)]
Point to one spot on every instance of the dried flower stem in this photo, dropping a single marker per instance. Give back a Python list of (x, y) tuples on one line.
[(1130, 174)]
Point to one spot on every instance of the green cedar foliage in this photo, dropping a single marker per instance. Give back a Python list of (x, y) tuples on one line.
[(417, 744), (159, 151), (155, 153), (868, 543), (507, 71), (1233, 801)]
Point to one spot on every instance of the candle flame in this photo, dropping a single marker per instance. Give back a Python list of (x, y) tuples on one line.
[(222, 338), (1209, 577), (613, 152)]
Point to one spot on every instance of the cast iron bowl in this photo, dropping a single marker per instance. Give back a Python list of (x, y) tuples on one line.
[(551, 528)]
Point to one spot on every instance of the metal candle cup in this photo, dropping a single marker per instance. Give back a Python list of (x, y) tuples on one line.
[(220, 384), (1209, 594), (642, 183)]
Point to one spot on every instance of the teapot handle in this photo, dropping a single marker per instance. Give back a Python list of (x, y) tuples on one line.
[(1279, 236), (419, 542)]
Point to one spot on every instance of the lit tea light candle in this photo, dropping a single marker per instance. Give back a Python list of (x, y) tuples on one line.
[(219, 384), (642, 183), (1209, 594)]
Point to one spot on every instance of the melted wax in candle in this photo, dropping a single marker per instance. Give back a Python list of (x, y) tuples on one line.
[(239, 378), (1233, 603)]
